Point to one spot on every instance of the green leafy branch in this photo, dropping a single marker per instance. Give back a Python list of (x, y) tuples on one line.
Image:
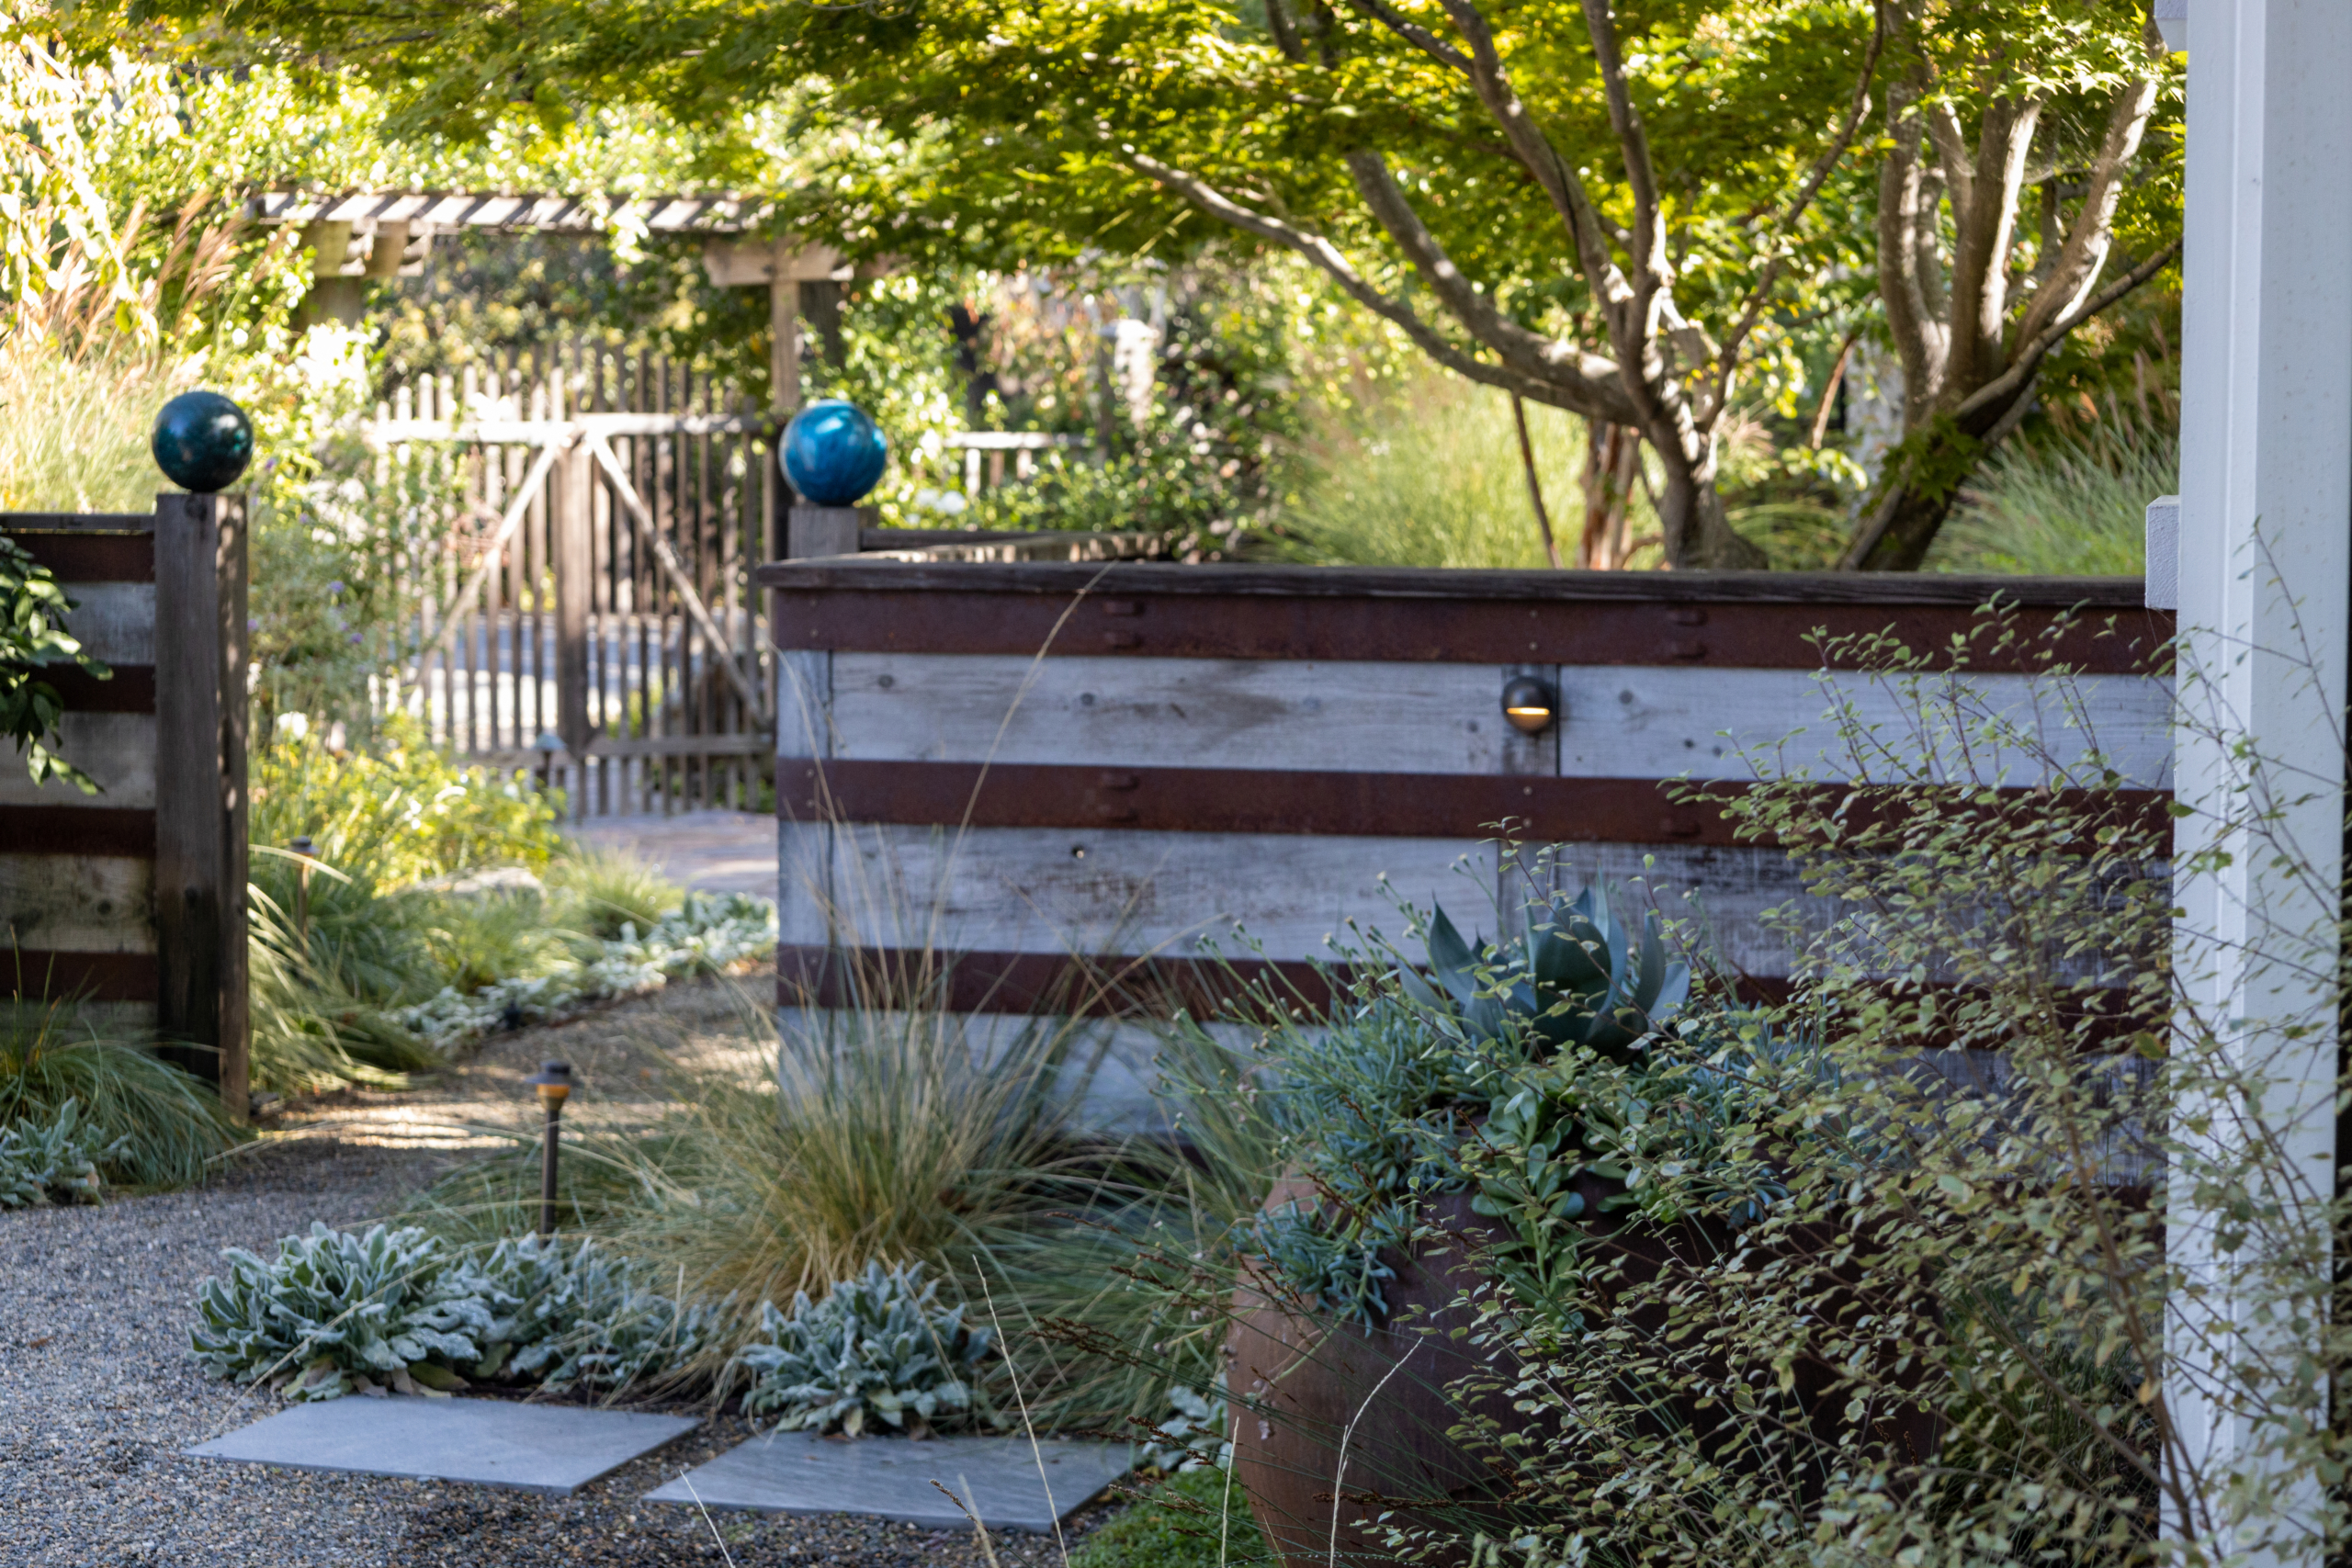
[(33, 636)]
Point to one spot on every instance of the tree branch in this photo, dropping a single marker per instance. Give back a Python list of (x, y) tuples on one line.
[(2021, 370), (1811, 187), (1412, 32), (1553, 173), (2078, 262), (1652, 267), (1579, 388), (1530, 352)]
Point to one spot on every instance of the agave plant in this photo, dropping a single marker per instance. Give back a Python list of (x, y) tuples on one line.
[(1576, 975)]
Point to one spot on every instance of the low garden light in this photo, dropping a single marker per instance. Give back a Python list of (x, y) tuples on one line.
[(553, 1080), (1530, 704), (304, 848)]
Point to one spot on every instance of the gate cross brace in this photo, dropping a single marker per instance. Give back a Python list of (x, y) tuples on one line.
[(672, 567)]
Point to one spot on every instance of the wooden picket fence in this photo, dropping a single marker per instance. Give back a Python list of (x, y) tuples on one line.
[(590, 610)]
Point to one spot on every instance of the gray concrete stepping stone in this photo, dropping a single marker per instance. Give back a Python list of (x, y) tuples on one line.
[(890, 1478), (531, 1447)]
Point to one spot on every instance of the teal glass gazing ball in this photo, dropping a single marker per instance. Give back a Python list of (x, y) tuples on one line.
[(833, 454), (202, 442)]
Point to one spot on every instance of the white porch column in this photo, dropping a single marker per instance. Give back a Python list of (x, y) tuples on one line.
[(2265, 560)]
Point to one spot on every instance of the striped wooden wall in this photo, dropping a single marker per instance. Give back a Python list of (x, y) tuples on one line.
[(161, 600), (77, 873), (1002, 766)]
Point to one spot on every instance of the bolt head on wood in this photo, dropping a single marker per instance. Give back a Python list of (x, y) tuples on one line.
[(202, 442), (834, 453)]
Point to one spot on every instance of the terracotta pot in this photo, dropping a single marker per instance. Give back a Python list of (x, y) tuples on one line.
[(1303, 1382)]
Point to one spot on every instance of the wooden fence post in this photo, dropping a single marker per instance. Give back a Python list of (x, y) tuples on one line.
[(202, 1006), (575, 574)]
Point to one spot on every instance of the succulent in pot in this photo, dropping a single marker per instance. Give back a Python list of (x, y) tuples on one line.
[(1575, 976)]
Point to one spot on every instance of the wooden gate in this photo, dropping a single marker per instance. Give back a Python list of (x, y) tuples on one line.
[(591, 613)]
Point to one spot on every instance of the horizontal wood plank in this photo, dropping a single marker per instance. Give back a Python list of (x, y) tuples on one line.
[(87, 828), (80, 976), (1240, 800), (117, 749), (115, 621), (19, 523), (1430, 718), (1304, 716), (1798, 588), (1135, 893), (125, 688), (93, 558), (78, 903), (1722, 621)]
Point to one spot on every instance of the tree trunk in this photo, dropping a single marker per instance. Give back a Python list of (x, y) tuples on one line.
[(1690, 516), (1920, 482), (1611, 455)]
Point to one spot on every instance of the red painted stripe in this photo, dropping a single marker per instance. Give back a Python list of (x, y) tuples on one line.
[(92, 558), (1240, 800), (130, 689), (77, 831), (1035, 983), (1055, 985), (861, 609), (80, 977)]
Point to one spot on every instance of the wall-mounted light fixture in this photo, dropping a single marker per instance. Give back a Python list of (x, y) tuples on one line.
[(1530, 704)]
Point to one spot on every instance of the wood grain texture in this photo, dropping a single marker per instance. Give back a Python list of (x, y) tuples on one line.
[(125, 688), (1731, 723), (1179, 895), (116, 621), (116, 749), (1630, 722), (1425, 719), (78, 903), (200, 808)]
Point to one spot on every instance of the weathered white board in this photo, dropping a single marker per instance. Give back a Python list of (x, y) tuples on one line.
[(116, 749), (1741, 724), (115, 621), (1169, 712), (1620, 721), (78, 903), (1188, 894)]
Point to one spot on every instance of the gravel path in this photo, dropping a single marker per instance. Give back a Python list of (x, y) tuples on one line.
[(98, 1398)]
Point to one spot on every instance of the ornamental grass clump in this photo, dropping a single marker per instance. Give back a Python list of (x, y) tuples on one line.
[(147, 1123), (876, 1349)]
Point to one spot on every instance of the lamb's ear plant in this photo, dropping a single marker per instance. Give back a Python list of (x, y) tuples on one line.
[(335, 1313), (54, 1161), (878, 1352)]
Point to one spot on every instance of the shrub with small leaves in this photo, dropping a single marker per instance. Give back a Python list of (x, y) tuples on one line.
[(52, 1162), (582, 1319), (335, 1313), (878, 1348)]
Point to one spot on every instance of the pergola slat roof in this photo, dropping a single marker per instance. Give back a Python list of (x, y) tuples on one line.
[(511, 212)]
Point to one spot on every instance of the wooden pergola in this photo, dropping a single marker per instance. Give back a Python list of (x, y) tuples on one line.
[(360, 235)]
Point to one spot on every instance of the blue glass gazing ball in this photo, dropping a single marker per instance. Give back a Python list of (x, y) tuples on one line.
[(833, 454), (202, 442)]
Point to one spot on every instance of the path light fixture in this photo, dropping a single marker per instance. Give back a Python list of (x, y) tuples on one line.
[(302, 847), (1530, 704), (553, 1080)]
